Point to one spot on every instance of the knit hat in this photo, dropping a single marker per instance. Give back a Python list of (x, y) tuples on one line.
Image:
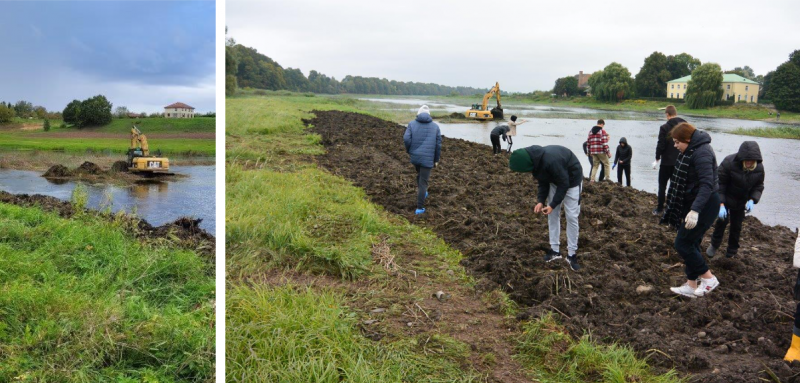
[(520, 161), (423, 109), (513, 118)]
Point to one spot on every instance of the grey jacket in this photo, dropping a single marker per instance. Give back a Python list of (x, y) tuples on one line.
[(423, 141)]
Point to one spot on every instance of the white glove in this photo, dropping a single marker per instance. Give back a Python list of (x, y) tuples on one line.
[(655, 164), (797, 251), (691, 220)]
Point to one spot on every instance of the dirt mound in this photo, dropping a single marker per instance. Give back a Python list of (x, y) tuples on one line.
[(183, 231), (483, 209), (57, 171), (89, 168), (119, 167)]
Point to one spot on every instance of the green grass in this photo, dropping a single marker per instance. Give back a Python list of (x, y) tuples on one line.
[(204, 147), (285, 213), (146, 125), (779, 132), (82, 301), (553, 355)]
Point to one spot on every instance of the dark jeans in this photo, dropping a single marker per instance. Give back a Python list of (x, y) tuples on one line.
[(797, 311), (627, 169), (510, 143), (735, 217), (495, 143), (602, 168), (423, 174), (687, 242), (664, 172)]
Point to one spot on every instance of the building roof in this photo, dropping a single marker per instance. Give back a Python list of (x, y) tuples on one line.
[(727, 77), (179, 105)]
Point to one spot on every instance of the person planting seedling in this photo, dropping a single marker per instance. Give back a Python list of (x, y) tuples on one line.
[(560, 176)]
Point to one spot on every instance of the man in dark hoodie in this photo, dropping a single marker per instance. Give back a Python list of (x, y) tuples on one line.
[(559, 175), (666, 154), (494, 136), (423, 142), (622, 158), (741, 182)]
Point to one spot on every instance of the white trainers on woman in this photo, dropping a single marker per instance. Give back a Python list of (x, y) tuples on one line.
[(685, 290), (706, 286)]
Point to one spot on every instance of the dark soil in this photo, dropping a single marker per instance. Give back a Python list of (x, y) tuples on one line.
[(89, 168), (89, 171), (57, 171), (484, 210), (184, 232)]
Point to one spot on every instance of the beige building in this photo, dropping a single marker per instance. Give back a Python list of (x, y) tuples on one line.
[(734, 87), (178, 110)]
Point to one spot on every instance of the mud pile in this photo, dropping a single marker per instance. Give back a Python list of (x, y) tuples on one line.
[(57, 171), (89, 168), (119, 167), (86, 169), (622, 294), (185, 232)]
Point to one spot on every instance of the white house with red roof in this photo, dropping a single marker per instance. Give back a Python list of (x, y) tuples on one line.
[(178, 110)]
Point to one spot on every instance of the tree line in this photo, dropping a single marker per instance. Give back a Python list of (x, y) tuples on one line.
[(615, 83), (246, 68)]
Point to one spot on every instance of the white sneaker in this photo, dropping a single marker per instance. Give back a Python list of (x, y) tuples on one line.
[(685, 290), (706, 286)]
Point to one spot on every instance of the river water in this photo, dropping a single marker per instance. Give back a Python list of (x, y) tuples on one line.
[(780, 202), (158, 203)]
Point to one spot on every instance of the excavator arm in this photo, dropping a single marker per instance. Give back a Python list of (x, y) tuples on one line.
[(139, 141), (492, 92)]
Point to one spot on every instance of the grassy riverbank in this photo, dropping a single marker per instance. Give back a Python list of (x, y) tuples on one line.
[(323, 283), (82, 300), (790, 132)]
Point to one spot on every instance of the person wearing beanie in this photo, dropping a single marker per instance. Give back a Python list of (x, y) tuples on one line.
[(741, 182), (423, 141), (598, 149), (794, 349), (622, 158), (512, 125), (559, 175)]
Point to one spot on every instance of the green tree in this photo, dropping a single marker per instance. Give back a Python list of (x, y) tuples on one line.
[(24, 109), (613, 83), (95, 111), (681, 65), (40, 112), (566, 85), (651, 81), (765, 84), (745, 72), (46, 126), (72, 112), (705, 86), (121, 112), (6, 114), (784, 87)]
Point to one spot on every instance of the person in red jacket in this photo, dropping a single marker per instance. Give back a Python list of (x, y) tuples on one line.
[(598, 149)]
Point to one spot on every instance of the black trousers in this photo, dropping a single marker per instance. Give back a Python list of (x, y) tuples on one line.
[(687, 242), (797, 311), (627, 169), (495, 143), (602, 168), (664, 172), (423, 174), (735, 217)]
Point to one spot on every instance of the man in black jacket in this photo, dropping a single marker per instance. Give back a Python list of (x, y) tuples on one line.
[(559, 175), (666, 154), (741, 182), (494, 136), (622, 158)]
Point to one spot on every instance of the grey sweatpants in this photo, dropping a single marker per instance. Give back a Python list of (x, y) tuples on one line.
[(423, 174), (572, 209)]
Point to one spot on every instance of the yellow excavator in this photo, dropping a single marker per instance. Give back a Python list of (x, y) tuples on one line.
[(139, 158), (480, 111)]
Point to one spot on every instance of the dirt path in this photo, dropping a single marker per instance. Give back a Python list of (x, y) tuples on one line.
[(484, 210)]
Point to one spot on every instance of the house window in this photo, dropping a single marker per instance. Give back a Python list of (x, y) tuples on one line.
[(746, 87), (729, 87), (684, 86), (740, 98), (672, 86), (751, 98), (670, 95)]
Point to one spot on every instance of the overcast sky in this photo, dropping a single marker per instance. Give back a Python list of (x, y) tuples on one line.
[(142, 55), (525, 45)]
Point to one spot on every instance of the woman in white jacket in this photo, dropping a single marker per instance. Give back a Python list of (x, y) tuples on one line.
[(794, 349)]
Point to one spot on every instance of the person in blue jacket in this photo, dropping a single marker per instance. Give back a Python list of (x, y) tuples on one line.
[(423, 141)]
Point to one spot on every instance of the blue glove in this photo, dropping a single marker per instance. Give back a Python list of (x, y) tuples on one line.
[(613, 166), (722, 212), (749, 206)]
